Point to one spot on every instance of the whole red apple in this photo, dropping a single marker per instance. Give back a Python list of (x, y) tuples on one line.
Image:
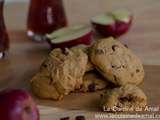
[(17, 104)]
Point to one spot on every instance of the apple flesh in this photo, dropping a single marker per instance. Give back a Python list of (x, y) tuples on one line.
[(113, 24), (70, 36), (17, 105)]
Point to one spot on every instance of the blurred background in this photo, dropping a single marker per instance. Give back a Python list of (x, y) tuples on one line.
[(144, 31), (16, 0)]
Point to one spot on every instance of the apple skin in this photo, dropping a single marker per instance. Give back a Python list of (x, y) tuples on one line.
[(115, 30), (17, 104), (86, 40)]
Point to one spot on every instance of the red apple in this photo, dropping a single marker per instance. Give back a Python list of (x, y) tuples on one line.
[(114, 23), (70, 36), (17, 105)]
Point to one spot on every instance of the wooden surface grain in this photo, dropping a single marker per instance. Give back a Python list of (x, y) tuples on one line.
[(25, 56)]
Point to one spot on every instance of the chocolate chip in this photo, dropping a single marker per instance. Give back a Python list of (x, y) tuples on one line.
[(123, 66), (113, 66), (114, 47), (92, 87), (80, 117), (99, 51), (44, 65), (137, 70), (125, 99), (126, 45), (117, 67), (65, 118), (101, 95)]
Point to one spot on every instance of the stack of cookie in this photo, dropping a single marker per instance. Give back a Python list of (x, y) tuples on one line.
[(87, 69)]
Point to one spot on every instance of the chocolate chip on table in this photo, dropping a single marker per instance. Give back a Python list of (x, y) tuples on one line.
[(80, 117), (65, 118), (113, 47), (92, 87)]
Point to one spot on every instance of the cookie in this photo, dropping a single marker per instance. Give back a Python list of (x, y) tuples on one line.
[(64, 69), (85, 49), (42, 87), (128, 96), (93, 81), (116, 63)]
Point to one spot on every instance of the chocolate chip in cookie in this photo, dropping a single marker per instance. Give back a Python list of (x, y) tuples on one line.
[(92, 87), (137, 70), (80, 117), (65, 118), (99, 51), (114, 47)]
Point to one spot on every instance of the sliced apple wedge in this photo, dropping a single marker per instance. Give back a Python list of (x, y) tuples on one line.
[(71, 36), (114, 23)]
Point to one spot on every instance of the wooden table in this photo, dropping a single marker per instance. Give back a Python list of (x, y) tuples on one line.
[(25, 56)]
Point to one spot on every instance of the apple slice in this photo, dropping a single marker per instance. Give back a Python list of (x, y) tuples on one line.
[(114, 23), (17, 104), (70, 36)]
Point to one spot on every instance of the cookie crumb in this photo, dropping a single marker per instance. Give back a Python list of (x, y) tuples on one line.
[(65, 118), (80, 117)]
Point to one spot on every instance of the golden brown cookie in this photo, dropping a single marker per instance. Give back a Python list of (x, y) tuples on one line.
[(64, 70), (116, 63), (93, 81), (85, 49), (42, 87), (128, 96)]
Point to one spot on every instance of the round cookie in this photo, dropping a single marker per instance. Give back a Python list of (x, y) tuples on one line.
[(93, 81), (128, 96), (116, 63), (64, 71)]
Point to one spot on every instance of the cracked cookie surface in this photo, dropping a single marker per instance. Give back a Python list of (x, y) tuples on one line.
[(116, 62), (128, 96), (85, 49), (64, 70)]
